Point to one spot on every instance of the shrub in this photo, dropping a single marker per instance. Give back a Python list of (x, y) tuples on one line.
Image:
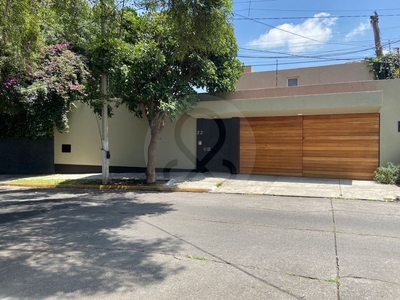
[(35, 101), (389, 174)]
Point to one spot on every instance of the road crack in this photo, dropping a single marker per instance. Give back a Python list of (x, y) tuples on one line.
[(336, 253), (370, 279)]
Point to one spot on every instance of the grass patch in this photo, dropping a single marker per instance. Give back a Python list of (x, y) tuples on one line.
[(332, 280), (32, 181), (388, 199), (219, 184), (197, 257), (289, 274), (84, 181)]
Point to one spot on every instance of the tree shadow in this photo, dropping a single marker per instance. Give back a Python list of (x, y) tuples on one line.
[(71, 244)]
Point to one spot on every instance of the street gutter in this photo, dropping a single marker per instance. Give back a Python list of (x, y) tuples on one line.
[(110, 187)]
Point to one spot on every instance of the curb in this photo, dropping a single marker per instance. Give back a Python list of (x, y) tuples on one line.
[(392, 200), (109, 187), (170, 189)]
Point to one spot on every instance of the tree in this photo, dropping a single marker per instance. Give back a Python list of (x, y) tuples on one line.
[(40, 77), (32, 103), (155, 59), (158, 81), (20, 35)]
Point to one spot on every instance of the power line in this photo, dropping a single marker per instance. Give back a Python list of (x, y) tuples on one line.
[(291, 63), (289, 55), (316, 56), (293, 33), (299, 56), (287, 31), (304, 55), (349, 50), (254, 1), (312, 17), (320, 10)]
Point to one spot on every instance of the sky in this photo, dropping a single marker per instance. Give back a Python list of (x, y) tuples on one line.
[(304, 33)]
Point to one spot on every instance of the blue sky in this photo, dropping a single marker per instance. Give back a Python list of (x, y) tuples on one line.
[(309, 33)]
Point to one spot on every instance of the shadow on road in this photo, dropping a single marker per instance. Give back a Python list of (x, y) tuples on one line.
[(61, 243)]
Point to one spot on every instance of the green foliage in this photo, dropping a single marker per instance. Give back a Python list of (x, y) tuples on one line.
[(35, 102), (67, 21), (197, 257), (388, 175), (38, 83), (385, 67), (155, 58), (201, 25), (152, 75), (20, 35)]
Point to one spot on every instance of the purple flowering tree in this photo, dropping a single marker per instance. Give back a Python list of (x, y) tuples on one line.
[(35, 102)]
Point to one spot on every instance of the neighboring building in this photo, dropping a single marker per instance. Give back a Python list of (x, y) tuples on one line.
[(355, 71), (330, 121)]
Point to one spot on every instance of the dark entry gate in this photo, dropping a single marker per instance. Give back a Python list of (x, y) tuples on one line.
[(218, 145)]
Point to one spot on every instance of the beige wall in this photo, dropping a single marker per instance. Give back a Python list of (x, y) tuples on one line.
[(128, 140), (83, 136), (357, 97), (129, 136), (389, 117), (361, 102), (349, 72)]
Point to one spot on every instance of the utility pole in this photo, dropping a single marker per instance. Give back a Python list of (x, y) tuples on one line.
[(377, 35), (105, 151), (398, 62)]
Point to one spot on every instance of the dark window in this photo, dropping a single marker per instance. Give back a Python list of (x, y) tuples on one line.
[(66, 148), (293, 81)]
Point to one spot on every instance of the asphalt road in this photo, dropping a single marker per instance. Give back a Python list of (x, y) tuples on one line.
[(86, 244)]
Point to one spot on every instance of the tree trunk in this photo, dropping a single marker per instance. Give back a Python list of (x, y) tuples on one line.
[(156, 126)]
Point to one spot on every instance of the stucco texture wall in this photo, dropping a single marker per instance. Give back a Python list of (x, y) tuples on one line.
[(389, 118), (362, 97), (128, 140), (349, 72), (129, 136)]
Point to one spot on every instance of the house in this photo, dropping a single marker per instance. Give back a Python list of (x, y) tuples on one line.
[(330, 121)]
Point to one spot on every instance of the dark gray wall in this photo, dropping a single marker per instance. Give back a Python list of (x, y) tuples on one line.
[(24, 156)]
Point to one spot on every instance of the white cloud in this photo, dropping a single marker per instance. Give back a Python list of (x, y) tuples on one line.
[(318, 29), (360, 30)]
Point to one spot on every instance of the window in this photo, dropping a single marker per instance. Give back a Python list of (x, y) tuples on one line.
[(293, 81), (66, 148)]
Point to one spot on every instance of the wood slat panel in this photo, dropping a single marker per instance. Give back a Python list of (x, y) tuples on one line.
[(332, 146), (341, 146), (341, 174), (271, 146), (349, 153)]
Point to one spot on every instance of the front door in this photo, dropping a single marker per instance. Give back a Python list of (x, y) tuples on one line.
[(218, 145)]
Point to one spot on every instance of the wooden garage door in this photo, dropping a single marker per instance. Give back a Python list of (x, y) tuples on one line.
[(341, 146), (271, 146), (333, 146)]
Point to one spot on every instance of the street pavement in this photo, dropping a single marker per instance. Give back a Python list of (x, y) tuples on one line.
[(110, 244), (255, 184)]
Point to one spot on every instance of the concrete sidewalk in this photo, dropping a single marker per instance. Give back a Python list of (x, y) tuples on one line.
[(294, 186), (253, 184)]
